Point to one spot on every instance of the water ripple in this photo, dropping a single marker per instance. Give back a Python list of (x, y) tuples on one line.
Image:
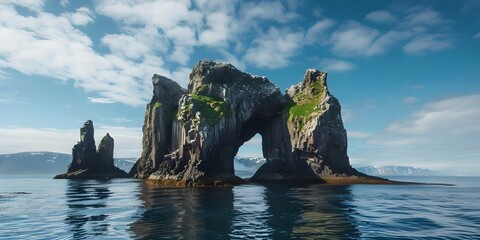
[(42, 208)]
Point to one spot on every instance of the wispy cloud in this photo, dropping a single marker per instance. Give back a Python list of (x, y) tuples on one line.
[(81, 17), (424, 43), (410, 99), (274, 49), (100, 100), (319, 32), (417, 29), (353, 38), (335, 65), (13, 98), (381, 17), (477, 36), (443, 135)]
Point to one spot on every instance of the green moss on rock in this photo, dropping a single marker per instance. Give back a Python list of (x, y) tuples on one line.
[(157, 104), (212, 108), (303, 106)]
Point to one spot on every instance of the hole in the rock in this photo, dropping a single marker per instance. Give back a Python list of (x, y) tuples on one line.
[(249, 157)]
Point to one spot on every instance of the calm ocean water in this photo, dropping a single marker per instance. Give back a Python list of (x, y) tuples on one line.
[(43, 208)]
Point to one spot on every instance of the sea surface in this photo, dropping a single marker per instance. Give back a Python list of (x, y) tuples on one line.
[(38, 207)]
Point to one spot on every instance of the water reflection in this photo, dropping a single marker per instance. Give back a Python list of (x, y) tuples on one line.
[(251, 213), (87, 202), (278, 212), (191, 213), (324, 212)]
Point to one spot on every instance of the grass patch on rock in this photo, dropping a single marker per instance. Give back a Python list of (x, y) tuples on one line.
[(212, 108), (303, 105)]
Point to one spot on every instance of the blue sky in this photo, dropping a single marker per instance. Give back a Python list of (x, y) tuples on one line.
[(406, 72)]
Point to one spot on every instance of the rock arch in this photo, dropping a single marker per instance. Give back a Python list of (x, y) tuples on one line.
[(191, 136)]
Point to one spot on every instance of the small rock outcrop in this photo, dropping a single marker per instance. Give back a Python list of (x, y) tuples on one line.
[(87, 162), (84, 153), (192, 136)]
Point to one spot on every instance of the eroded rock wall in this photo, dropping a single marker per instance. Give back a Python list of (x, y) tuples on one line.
[(157, 127), (191, 136)]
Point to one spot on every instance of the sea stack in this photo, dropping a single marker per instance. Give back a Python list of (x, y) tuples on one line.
[(191, 136), (87, 162)]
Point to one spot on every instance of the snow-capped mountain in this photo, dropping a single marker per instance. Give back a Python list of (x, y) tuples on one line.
[(246, 166), (396, 171), (45, 163)]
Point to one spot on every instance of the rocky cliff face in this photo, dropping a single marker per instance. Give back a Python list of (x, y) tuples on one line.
[(87, 163), (196, 135), (308, 139), (157, 126)]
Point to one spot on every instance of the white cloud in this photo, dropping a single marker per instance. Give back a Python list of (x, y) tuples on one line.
[(182, 76), (100, 100), (352, 39), (218, 31), (450, 116), (387, 41), (419, 17), (418, 29), (335, 65), (81, 17), (127, 140), (317, 33), (122, 75), (34, 5), (381, 16), (275, 48), (425, 43), (137, 43), (477, 36), (165, 14), (267, 10), (410, 99), (442, 136)]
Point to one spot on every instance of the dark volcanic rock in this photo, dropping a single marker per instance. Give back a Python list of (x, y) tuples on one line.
[(157, 127), (84, 153), (105, 152), (90, 164), (223, 109), (193, 136), (308, 139)]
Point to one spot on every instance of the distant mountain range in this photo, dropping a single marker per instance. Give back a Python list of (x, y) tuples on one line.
[(245, 167), (397, 171), (43, 163), (55, 163)]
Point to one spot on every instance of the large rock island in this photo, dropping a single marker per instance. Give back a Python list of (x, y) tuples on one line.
[(89, 163), (192, 136)]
